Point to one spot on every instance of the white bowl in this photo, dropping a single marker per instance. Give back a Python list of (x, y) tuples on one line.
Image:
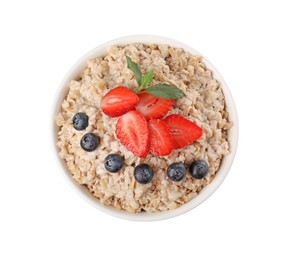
[(206, 191)]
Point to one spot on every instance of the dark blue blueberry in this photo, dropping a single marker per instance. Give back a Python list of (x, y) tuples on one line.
[(199, 169), (113, 162), (143, 173), (89, 142), (176, 171), (80, 121)]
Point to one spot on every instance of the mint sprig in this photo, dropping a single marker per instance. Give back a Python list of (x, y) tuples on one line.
[(165, 91), (135, 69), (146, 79), (160, 90)]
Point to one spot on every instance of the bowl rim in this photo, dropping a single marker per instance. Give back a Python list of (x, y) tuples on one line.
[(206, 192)]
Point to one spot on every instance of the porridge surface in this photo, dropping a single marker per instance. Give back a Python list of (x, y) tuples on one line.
[(203, 104)]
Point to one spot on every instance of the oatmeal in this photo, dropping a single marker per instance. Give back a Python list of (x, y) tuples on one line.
[(202, 104)]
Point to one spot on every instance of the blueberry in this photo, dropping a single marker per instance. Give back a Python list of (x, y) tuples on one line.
[(113, 162), (176, 171), (80, 121), (199, 169), (143, 173), (89, 142)]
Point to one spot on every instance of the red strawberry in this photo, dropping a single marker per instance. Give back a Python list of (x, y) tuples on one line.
[(161, 142), (151, 106), (182, 130), (118, 101), (132, 132)]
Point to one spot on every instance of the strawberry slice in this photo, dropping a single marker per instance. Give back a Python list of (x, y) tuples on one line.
[(161, 142), (118, 101), (151, 106), (182, 130), (132, 132)]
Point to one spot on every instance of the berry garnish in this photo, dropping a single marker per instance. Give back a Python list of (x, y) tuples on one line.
[(118, 101), (161, 142), (151, 106), (113, 162), (143, 173), (176, 172), (183, 131), (80, 121), (89, 142), (132, 131), (199, 169)]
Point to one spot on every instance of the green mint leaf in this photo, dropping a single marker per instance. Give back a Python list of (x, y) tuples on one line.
[(146, 78), (165, 91), (135, 69)]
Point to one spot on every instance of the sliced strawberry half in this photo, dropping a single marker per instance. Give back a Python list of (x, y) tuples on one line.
[(161, 142), (118, 101), (151, 106), (182, 130), (132, 131)]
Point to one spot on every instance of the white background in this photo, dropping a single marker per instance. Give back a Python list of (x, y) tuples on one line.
[(42, 218)]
